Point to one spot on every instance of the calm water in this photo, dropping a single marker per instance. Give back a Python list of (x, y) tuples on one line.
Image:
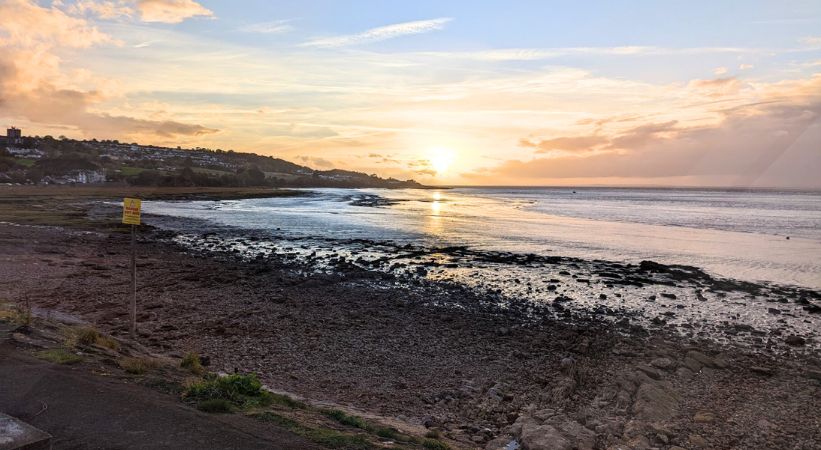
[(736, 234)]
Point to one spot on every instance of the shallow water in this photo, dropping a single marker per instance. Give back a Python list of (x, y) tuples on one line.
[(403, 233), (734, 234)]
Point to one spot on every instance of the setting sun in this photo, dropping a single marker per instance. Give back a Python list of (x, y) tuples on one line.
[(441, 159)]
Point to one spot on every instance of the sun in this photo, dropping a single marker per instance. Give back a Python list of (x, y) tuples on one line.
[(441, 159)]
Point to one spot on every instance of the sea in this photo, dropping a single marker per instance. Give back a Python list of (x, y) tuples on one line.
[(771, 236)]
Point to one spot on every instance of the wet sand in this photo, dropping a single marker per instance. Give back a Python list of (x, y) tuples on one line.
[(426, 352)]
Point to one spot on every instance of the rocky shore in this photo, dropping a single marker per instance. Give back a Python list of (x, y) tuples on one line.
[(434, 353)]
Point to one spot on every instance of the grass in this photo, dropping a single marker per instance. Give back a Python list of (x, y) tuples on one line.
[(25, 162), (129, 171), (240, 390), (68, 206), (191, 362), (138, 366), (89, 336), (324, 436), (215, 406), (429, 442), (86, 335), (59, 356)]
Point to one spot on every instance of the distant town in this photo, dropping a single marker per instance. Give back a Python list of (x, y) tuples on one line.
[(49, 160)]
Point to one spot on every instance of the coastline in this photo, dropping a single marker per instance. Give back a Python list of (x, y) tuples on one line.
[(427, 353)]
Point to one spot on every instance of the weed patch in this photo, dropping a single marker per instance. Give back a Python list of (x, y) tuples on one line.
[(215, 406), (192, 363), (241, 390), (323, 436), (138, 366), (59, 356)]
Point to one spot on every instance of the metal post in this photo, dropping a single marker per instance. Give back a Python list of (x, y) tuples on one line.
[(133, 328)]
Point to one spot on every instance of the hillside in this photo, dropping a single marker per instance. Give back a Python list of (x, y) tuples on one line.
[(62, 161)]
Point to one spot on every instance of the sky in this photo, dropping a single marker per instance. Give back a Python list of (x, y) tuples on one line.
[(655, 93)]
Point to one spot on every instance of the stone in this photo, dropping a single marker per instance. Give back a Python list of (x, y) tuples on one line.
[(16, 434), (676, 447), (761, 370), (795, 341), (649, 371), (500, 443), (704, 417), (547, 430), (697, 441), (663, 363), (702, 358), (684, 373), (693, 365), (814, 374), (655, 401)]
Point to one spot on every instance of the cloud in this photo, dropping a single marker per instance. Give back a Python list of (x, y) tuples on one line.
[(35, 87), (316, 161), (720, 70), (171, 11), (811, 41), (273, 27), (717, 87), (380, 33), (773, 142), (568, 143), (745, 66), (102, 9)]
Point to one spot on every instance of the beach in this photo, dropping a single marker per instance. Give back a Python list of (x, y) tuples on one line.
[(482, 369)]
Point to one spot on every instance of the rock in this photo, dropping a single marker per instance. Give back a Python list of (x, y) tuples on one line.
[(649, 371), (814, 374), (705, 360), (500, 443), (548, 430), (655, 401), (684, 373), (639, 443), (652, 266), (761, 370), (670, 296), (676, 447), (795, 341), (663, 363), (773, 310), (704, 417), (693, 365), (697, 441)]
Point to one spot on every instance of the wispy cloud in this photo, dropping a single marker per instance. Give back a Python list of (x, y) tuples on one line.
[(811, 41), (273, 27), (380, 33), (535, 54), (171, 11)]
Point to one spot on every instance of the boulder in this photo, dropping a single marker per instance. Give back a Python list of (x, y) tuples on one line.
[(549, 430), (655, 401)]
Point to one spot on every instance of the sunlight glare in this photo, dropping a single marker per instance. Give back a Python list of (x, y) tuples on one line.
[(441, 159)]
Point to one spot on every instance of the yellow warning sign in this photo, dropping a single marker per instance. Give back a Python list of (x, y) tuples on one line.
[(131, 211)]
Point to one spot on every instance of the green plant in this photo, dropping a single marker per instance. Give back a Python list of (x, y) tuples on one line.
[(284, 400), (215, 405), (59, 356), (86, 335), (241, 390), (434, 444), (138, 366), (324, 436), (191, 362), (108, 342)]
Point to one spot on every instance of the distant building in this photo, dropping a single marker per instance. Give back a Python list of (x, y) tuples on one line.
[(13, 136)]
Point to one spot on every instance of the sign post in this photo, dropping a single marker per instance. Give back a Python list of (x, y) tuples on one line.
[(131, 216)]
